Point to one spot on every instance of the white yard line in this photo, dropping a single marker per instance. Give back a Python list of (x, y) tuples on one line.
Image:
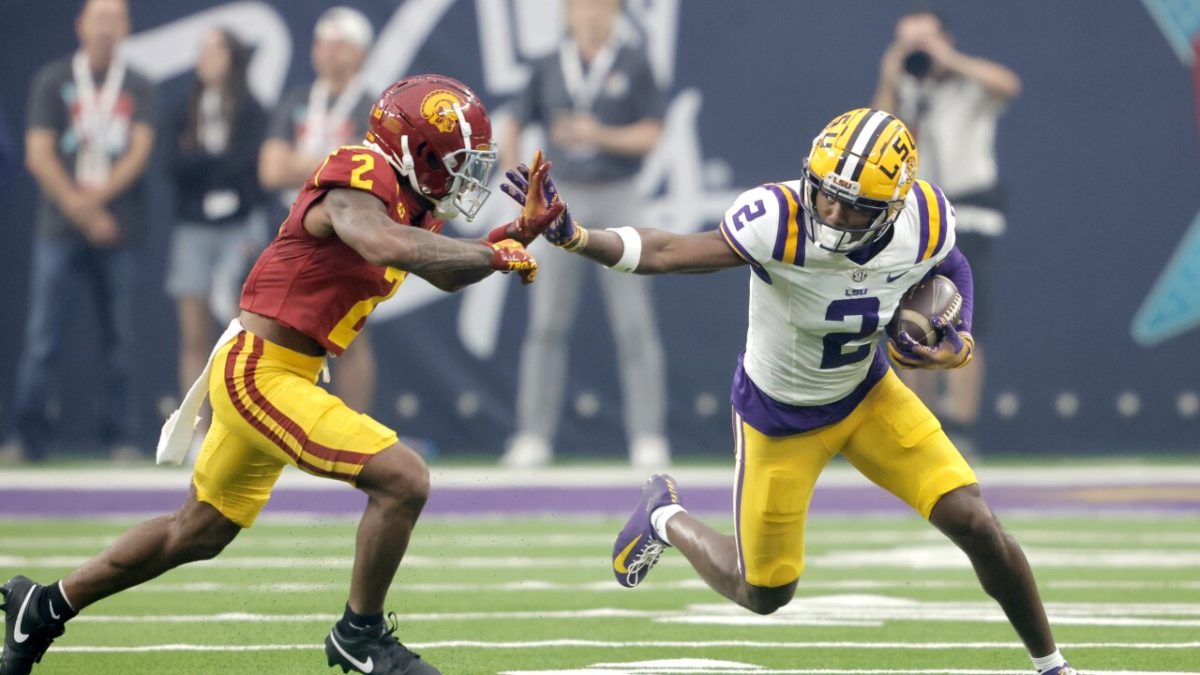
[(931, 557), (669, 644), (607, 586), (265, 540), (1065, 476)]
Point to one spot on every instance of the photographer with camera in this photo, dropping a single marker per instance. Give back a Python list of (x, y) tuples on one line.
[(952, 102)]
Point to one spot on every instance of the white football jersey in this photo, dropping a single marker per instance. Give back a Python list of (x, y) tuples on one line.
[(816, 316)]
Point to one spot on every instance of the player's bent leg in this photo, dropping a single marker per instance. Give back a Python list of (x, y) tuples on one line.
[(35, 615), (714, 556), (197, 531), (999, 562), (396, 481)]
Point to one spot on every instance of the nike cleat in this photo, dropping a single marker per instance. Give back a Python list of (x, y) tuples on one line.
[(27, 635), (375, 651), (638, 546), (1064, 669)]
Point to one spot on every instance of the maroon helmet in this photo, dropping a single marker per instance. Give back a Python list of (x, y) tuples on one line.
[(435, 131)]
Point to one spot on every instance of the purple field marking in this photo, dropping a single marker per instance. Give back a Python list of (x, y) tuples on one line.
[(613, 501)]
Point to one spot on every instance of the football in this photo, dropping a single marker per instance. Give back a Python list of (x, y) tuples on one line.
[(935, 296)]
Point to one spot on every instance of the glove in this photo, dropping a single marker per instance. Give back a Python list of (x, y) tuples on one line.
[(954, 351), (538, 213), (509, 255), (564, 231)]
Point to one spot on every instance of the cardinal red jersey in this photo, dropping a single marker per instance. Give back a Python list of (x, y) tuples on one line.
[(322, 287)]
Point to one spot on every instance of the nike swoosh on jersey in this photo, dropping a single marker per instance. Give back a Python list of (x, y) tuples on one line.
[(619, 561), (18, 635), (893, 277), (365, 666)]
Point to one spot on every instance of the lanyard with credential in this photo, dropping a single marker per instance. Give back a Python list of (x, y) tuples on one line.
[(320, 118), (95, 113), (583, 89)]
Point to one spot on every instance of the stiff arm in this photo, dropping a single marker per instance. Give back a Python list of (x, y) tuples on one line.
[(665, 252)]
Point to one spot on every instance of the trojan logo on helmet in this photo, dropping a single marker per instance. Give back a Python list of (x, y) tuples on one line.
[(438, 108), (436, 133), (867, 160)]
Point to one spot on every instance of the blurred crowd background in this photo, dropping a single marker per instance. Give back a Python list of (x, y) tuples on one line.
[(1091, 281)]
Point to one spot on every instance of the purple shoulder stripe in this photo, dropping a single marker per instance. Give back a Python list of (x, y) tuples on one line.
[(923, 209), (781, 232), (943, 216), (800, 233)]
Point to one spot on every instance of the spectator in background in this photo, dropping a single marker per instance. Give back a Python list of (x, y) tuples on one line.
[(603, 112), (216, 135), (952, 102), (312, 121), (89, 136)]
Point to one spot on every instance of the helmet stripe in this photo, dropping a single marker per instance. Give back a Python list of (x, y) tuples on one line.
[(850, 143), (858, 145), (869, 147)]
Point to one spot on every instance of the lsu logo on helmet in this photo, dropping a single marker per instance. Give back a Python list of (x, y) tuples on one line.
[(438, 107), (868, 160)]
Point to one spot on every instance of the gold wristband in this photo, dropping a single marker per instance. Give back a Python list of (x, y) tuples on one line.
[(579, 242)]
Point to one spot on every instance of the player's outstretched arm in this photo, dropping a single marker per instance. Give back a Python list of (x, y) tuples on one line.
[(625, 249), (359, 219), (650, 251)]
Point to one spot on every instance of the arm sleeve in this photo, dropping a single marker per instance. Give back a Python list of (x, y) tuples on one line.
[(525, 109), (145, 94), (649, 99), (45, 108), (280, 125), (240, 160), (956, 268), (761, 225)]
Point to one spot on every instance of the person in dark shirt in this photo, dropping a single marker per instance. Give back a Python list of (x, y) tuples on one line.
[(216, 134), (88, 139)]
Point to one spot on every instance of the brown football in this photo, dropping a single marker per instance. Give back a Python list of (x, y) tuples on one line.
[(935, 296)]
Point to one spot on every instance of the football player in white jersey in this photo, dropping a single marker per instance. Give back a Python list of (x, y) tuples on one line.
[(831, 254)]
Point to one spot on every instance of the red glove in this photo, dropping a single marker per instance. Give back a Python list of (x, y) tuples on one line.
[(540, 212), (510, 256)]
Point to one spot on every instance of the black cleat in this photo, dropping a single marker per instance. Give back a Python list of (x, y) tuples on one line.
[(27, 635), (376, 651)]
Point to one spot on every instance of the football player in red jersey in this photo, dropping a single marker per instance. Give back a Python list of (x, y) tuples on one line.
[(370, 215)]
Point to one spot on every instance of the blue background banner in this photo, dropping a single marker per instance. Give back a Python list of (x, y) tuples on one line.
[(1099, 157)]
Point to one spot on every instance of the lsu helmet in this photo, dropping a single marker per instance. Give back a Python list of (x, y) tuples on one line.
[(435, 132), (867, 160)]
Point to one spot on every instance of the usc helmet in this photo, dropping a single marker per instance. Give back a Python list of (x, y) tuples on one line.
[(867, 160), (435, 132)]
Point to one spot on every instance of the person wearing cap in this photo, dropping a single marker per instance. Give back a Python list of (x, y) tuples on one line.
[(311, 121)]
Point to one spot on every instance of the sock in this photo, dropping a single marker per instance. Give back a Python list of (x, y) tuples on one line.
[(54, 605), (1044, 663), (660, 516), (353, 623)]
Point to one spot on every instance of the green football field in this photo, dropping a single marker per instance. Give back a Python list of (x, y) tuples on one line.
[(881, 595)]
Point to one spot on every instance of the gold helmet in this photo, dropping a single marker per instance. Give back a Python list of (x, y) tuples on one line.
[(866, 159)]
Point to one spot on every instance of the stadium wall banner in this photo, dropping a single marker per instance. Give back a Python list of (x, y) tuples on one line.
[(1098, 157)]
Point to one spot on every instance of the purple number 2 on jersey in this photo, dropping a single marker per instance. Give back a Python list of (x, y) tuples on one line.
[(833, 356), (746, 214)]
